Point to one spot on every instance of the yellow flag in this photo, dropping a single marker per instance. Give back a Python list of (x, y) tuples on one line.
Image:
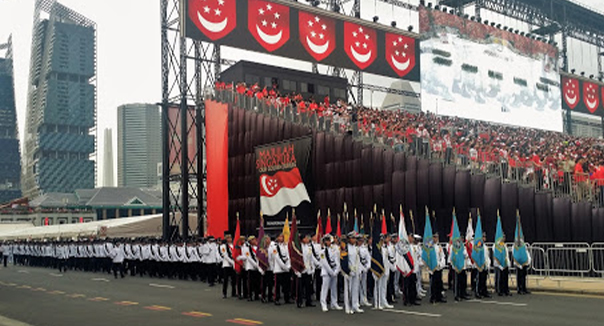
[(286, 229)]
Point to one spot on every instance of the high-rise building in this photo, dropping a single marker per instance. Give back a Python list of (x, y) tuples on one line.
[(10, 159), (60, 143), (108, 175), (138, 145)]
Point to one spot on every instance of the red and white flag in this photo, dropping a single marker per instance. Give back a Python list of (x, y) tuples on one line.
[(400, 53), (214, 18), (360, 44), (317, 34), (284, 188), (570, 89), (268, 22), (591, 96)]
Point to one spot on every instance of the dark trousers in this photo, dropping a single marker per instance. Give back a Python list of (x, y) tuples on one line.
[(521, 278), (120, 267), (436, 286), (62, 265), (268, 283), (318, 284), (481, 284), (282, 284), (241, 281), (229, 274), (253, 285), (461, 283), (410, 289), (5, 259), (473, 278), (390, 288), (501, 280), (304, 289), (211, 269)]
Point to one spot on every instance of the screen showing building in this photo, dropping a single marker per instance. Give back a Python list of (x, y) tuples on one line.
[(478, 71)]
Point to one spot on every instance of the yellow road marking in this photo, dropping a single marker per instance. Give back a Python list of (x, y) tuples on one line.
[(76, 296), (99, 299), (24, 287), (196, 314), (39, 290), (158, 308), (56, 292), (249, 321), (126, 303)]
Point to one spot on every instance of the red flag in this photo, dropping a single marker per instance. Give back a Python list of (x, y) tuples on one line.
[(384, 227), (237, 248), (319, 227), (328, 223), (339, 230)]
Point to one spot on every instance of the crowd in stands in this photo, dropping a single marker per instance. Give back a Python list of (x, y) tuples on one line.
[(550, 160)]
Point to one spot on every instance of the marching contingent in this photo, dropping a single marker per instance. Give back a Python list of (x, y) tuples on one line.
[(354, 269)]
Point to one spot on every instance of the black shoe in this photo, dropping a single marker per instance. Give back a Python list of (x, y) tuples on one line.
[(432, 301), (416, 303), (442, 301), (299, 305), (310, 304), (457, 299), (478, 296), (486, 295), (527, 292), (508, 294), (466, 297), (224, 296), (277, 303)]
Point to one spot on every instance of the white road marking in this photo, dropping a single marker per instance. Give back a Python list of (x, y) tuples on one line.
[(23, 271), (407, 312), (11, 322), (100, 279), (161, 286), (513, 304), (56, 275)]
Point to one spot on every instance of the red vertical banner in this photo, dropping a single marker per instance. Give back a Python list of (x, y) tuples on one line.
[(217, 151)]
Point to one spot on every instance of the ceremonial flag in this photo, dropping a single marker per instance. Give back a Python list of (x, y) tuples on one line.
[(362, 224), (500, 251), (469, 238), (286, 229), (264, 242), (377, 264), (328, 223), (319, 227), (384, 227), (458, 259), (295, 247), (520, 251), (428, 250), (356, 222), (344, 263), (338, 230), (478, 246), (404, 258), (237, 248)]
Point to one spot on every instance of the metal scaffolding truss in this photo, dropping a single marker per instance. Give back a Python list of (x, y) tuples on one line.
[(188, 69)]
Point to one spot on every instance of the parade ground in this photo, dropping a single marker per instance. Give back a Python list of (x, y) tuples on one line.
[(42, 297)]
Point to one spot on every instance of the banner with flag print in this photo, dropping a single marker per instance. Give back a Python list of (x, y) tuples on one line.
[(404, 259), (281, 167), (428, 249), (264, 242), (520, 252), (478, 246), (500, 251)]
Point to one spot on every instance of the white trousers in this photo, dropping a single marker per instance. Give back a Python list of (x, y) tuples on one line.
[(363, 287), (379, 291), (330, 284), (351, 292)]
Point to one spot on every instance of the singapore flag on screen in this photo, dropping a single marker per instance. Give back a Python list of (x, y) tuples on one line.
[(269, 23), (214, 18), (284, 188), (317, 35), (590, 96), (400, 53), (570, 90), (360, 44)]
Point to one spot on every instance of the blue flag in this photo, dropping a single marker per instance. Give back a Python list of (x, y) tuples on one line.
[(478, 246), (356, 222), (428, 250), (458, 259), (521, 256), (500, 251), (344, 262), (377, 264)]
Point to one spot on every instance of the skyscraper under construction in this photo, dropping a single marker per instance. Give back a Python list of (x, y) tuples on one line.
[(60, 142), (10, 157)]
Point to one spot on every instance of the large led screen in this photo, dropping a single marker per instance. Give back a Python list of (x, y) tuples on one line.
[(476, 71)]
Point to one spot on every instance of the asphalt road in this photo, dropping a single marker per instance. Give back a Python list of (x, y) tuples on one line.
[(43, 297)]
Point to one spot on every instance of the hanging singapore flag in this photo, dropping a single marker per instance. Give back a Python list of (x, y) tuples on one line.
[(570, 90), (591, 96), (269, 23), (317, 34), (284, 188), (360, 44), (214, 18), (400, 53)]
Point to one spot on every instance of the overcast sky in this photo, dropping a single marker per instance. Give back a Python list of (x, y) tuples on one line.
[(128, 51)]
